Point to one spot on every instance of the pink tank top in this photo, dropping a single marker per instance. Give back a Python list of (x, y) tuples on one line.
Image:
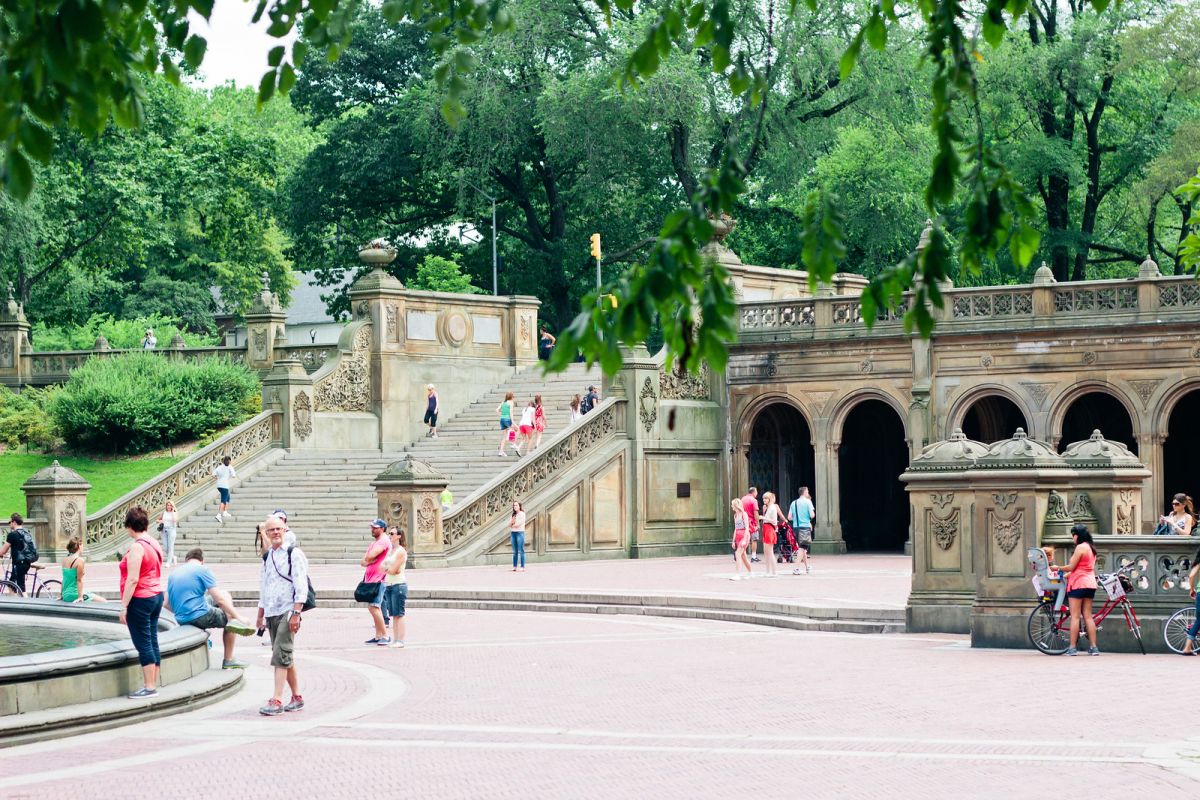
[(149, 581), (1084, 574)]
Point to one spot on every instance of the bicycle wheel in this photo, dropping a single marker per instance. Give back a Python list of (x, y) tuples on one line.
[(1044, 631), (10, 589), (50, 589), (1175, 629)]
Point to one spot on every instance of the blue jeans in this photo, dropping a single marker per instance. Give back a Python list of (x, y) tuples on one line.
[(1194, 628), (518, 546), (142, 620)]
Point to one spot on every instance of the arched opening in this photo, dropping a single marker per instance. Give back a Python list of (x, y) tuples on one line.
[(871, 457), (993, 419), (781, 453), (1180, 473), (1097, 411)]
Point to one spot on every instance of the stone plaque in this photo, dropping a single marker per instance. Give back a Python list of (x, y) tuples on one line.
[(608, 507), (564, 522), (487, 330), (422, 325), (456, 328)]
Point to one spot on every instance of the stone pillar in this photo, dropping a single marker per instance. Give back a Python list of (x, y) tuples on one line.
[(408, 494), (265, 318), (523, 330), (1109, 486), (940, 496), (287, 388), (55, 509), (14, 342), (379, 297), (1043, 291), (1147, 290), (1150, 451), (827, 531), (638, 383)]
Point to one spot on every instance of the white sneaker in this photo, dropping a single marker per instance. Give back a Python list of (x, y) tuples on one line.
[(501, 453), (219, 520), (397, 643)]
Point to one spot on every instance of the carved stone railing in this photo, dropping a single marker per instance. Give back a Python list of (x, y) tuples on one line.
[(493, 501), (974, 303), (312, 356), (106, 528), (1181, 292), (1111, 296), (344, 383), (768, 314)]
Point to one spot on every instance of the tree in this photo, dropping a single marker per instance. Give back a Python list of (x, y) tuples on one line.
[(437, 274)]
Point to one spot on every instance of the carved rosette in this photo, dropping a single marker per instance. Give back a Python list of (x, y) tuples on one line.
[(647, 405), (348, 386), (68, 520), (426, 516), (302, 416)]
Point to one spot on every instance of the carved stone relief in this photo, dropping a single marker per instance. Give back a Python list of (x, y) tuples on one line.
[(1038, 392), (348, 387), (1081, 508), (818, 400), (362, 310), (302, 416), (426, 515), (68, 520), (1056, 507), (396, 515), (1089, 357), (1004, 499), (1007, 532), (647, 405), (526, 332), (392, 322), (866, 367), (688, 387), (259, 337), (944, 530), (6, 353), (1145, 389), (1126, 513), (941, 499)]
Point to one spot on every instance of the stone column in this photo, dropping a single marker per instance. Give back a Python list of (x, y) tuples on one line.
[(288, 389), (1150, 452), (1043, 291), (265, 318), (827, 531), (380, 297), (14, 342), (1147, 289), (55, 509), (408, 494)]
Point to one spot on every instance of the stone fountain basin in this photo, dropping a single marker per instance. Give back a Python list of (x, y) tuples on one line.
[(68, 676)]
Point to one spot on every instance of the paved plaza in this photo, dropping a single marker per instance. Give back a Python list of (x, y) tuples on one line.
[(484, 704)]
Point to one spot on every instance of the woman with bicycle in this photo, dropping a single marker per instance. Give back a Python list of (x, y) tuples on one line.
[(1081, 588)]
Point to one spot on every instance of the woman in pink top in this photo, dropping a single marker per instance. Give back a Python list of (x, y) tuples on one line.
[(142, 597), (1081, 588), (516, 531), (741, 539)]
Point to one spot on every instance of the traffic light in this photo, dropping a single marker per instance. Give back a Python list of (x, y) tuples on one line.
[(609, 298), (595, 245)]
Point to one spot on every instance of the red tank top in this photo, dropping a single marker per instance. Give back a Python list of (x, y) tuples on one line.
[(149, 581), (1084, 574)]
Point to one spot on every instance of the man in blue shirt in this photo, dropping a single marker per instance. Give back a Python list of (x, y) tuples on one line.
[(193, 596), (802, 515)]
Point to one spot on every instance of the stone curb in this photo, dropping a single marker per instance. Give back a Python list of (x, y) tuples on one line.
[(73, 720)]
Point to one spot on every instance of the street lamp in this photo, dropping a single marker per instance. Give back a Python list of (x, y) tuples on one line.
[(495, 283)]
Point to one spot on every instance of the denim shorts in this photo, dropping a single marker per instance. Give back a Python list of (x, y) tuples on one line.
[(395, 596), (378, 601), (1085, 594), (221, 490), (505, 424)]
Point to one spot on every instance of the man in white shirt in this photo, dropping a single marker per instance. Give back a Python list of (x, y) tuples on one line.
[(224, 473), (282, 591)]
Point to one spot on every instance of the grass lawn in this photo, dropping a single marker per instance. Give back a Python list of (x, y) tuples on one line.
[(110, 478)]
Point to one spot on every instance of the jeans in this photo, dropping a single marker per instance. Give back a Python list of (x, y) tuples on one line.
[(19, 570), (518, 546), (1194, 628), (142, 620), (168, 544)]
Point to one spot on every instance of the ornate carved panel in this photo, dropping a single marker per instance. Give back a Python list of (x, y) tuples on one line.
[(1038, 392), (68, 520), (944, 530), (302, 416), (688, 387), (647, 406), (348, 387), (1008, 532), (1145, 389)]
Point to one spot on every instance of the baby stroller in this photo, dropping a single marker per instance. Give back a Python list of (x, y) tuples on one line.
[(785, 546)]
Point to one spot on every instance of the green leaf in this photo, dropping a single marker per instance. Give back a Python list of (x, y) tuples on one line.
[(275, 56), (393, 11), (850, 57), (194, 50), (18, 176), (36, 140), (876, 33), (266, 86), (287, 78)]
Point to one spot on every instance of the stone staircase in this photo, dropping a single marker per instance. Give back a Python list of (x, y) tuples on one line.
[(328, 495)]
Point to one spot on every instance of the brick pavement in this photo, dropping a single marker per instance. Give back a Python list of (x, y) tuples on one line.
[(504, 704)]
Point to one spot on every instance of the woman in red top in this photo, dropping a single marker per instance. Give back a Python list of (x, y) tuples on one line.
[(1081, 588), (770, 524), (539, 420), (142, 597)]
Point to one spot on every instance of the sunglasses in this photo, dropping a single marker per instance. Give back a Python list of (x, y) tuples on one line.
[(1176, 503)]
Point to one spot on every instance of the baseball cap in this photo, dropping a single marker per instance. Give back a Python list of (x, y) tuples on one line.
[(378, 523), (279, 512)]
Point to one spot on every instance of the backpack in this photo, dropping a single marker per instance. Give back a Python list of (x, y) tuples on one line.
[(29, 551), (310, 602)]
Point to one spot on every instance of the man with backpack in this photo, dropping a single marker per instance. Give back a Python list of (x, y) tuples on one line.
[(590, 400), (283, 593), (24, 552)]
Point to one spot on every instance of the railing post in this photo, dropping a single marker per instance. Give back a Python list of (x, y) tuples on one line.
[(1148, 272), (14, 343), (1043, 291), (408, 494), (287, 388), (823, 307), (264, 322), (56, 509)]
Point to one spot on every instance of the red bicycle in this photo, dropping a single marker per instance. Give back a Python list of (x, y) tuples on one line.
[(1050, 621)]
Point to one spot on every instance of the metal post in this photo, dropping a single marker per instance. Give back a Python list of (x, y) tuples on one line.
[(495, 283), (597, 273)]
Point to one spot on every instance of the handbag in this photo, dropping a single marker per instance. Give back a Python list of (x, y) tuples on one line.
[(366, 592)]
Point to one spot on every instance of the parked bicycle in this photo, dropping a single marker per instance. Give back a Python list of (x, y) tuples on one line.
[(1049, 624), (50, 589)]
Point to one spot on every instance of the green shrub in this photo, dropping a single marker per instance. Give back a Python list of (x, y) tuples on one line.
[(24, 420), (122, 334), (137, 402)]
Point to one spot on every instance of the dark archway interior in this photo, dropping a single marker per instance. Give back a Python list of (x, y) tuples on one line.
[(871, 458), (781, 453), (1181, 467), (993, 419), (1097, 411)]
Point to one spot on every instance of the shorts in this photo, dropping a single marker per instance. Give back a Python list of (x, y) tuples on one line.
[(804, 539), (505, 424), (1084, 594), (755, 535), (378, 601), (213, 618), (283, 643), (768, 534), (395, 596), (431, 418), (740, 542), (221, 490), (526, 429)]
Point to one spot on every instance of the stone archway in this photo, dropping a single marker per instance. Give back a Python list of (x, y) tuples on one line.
[(1097, 410), (872, 502), (781, 453), (993, 418), (1179, 464)]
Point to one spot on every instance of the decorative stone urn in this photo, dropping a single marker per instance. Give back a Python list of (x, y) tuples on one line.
[(378, 253)]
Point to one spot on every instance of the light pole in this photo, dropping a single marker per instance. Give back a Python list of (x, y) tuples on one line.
[(495, 282)]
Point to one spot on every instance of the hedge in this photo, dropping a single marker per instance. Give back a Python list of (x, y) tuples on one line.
[(137, 402)]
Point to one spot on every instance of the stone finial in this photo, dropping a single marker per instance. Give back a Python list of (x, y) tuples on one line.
[(177, 342), (1098, 452), (266, 281), (56, 475), (101, 344), (716, 249), (1149, 269), (280, 337), (1044, 275), (266, 302), (956, 453), (926, 235), (12, 310)]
